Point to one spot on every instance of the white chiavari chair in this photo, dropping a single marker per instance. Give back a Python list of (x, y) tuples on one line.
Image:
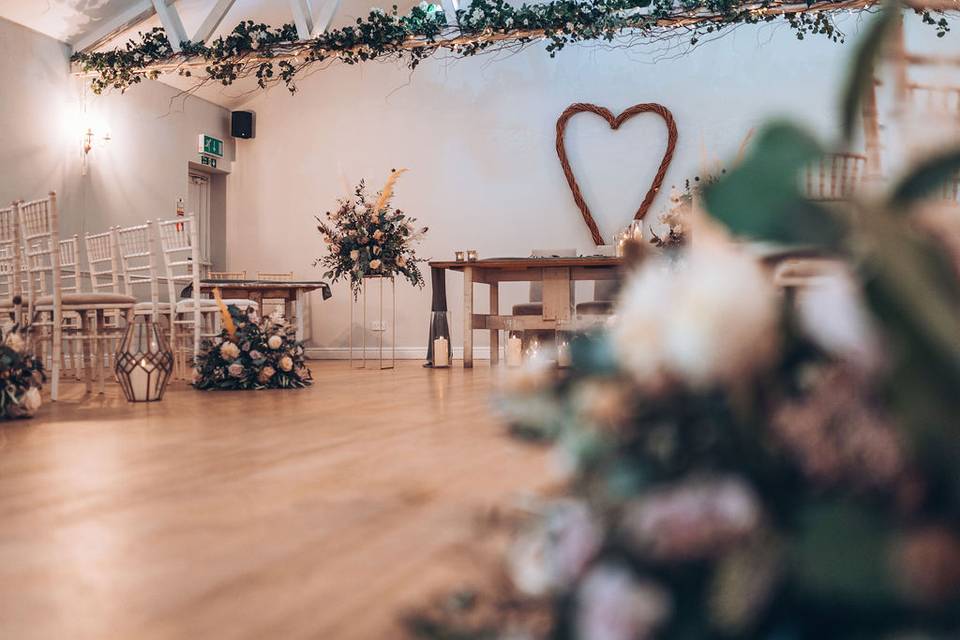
[(103, 269), (192, 318), (835, 177), (227, 275), (57, 271), (138, 266), (11, 271)]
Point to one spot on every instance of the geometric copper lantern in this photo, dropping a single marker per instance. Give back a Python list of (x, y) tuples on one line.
[(144, 361)]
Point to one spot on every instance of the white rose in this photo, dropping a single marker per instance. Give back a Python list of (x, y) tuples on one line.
[(229, 351), (31, 400), (15, 341), (286, 363), (355, 255), (707, 322), (833, 313), (275, 342), (374, 264)]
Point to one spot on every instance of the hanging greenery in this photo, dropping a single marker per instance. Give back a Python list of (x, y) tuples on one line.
[(276, 54)]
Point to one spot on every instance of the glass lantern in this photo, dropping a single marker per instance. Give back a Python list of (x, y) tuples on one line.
[(440, 349), (144, 361)]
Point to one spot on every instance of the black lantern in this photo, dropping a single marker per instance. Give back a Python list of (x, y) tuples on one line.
[(144, 361)]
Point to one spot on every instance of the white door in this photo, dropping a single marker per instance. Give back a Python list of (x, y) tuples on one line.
[(198, 203)]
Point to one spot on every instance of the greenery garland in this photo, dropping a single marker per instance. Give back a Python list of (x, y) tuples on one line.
[(276, 54)]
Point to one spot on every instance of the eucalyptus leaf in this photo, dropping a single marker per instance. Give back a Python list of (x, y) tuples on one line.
[(860, 76), (761, 198), (926, 178)]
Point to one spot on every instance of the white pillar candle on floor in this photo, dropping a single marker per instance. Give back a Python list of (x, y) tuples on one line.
[(514, 353), (563, 354), (441, 352)]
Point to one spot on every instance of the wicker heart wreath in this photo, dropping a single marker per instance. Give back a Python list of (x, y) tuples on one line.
[(615, 122)]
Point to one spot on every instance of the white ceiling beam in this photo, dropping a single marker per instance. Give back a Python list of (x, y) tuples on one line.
[(302, 17), (171, 22), (217, 13), (450, 10), (324, 17), (137, 13)]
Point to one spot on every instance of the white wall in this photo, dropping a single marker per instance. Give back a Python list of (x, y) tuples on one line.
[(137, 176), (478, 138)]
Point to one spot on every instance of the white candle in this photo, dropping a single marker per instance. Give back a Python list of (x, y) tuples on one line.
[(441, 353), (514, 353), (563, 354)]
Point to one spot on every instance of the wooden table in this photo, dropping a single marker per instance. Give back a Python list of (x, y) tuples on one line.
[(556, 274), (293, 293)]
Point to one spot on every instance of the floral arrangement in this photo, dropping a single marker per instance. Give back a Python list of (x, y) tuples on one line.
[(251, 353), (367, 237), (278, 55), (21, 374), (744, 464)]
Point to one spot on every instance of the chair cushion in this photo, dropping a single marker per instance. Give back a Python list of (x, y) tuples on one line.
[(528, 309), (80, 299), (147, 307), (595, 308)]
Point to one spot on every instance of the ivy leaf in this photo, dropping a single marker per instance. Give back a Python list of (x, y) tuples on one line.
[(761, 198), (860, 76), (926, 178)]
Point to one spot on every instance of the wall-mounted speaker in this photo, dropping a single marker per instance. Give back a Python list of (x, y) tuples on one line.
[(242, 124)]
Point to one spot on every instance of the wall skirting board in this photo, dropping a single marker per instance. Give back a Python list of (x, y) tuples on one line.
[(403, 353)]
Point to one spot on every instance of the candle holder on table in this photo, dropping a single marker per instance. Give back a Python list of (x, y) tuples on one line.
[(384, 287)]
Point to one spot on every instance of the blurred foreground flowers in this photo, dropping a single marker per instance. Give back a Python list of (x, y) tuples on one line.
[(753, 462)]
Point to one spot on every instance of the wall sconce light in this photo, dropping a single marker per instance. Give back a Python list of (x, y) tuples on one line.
[(89, 141)]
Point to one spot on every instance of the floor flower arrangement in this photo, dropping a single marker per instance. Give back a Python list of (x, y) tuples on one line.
[(21, 375), (252, 353), (748, 463), (370, 238)]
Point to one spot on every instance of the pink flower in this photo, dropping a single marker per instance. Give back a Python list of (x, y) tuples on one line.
[(613, 605), (235, 370)]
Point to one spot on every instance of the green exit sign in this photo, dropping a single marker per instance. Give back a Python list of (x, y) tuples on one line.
[(211, 146)]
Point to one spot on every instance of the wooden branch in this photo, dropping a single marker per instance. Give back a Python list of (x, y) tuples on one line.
[(217, 13)]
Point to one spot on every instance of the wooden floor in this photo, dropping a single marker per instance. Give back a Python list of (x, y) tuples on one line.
[(318, 513)]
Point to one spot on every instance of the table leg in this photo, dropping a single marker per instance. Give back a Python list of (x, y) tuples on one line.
[(467, 317), (85, 331), (557, 301), (299, 313), (98, 349), (494, 333)]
